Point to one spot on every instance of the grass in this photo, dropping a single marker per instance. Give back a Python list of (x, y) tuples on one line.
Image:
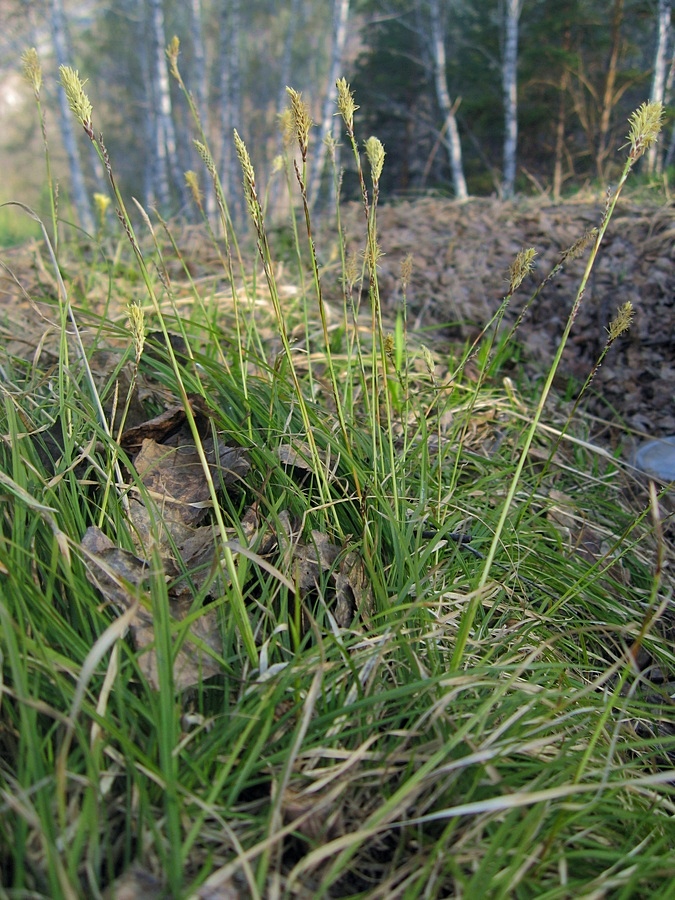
[(387, 670)]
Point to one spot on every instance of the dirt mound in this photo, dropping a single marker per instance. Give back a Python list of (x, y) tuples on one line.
[(461, 256)]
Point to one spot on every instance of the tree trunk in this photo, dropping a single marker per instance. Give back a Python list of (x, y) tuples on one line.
[(230, 105), (510, 89), (608, 96), (78, 189), (329, 123), (451, 139), (200, 82), (560, 124), (654, 157), (168, 170)]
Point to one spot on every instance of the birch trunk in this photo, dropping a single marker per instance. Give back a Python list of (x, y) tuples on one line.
[(199, 80), (654, 156), (285, 80), (67, 124), (510, 90), (168, 170), (451, 138), (329, 123), (229, 80)]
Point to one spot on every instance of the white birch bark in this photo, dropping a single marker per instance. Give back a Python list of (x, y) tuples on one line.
[(510, 91), (329, 123), (229, 81), (451, 132), (199, 79), (654, 157), (78, 189), (168, 169)]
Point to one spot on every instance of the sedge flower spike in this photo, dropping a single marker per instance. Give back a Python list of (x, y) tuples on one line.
[(32, 70), (345, 103), (172, 52), (301, 119), (521, 266), (77, 99), (645, 125), (375, 153), (621, 322)]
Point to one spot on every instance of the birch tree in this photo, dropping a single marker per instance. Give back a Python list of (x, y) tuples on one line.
[(448, 109), (229, 85), (663, 33), (200, 82), (329, 123), (78, 188), (512, 10), (167, 168)]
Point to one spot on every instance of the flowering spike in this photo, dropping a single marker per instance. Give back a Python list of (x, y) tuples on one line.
[(645, 125), (345, 103), (32, 70), (521, 266), (375, 153), (77, 99)]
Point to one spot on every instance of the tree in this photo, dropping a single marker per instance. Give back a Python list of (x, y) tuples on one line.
[(230, 111), (199, 80), (329, 123), (167, 170), (512, 10), (663, 30), (78, 189), (448, 109)]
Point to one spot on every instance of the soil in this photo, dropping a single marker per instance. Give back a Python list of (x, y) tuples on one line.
[(461, 257)]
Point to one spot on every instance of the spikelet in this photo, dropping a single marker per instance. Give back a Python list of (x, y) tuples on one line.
[(77, 99), (375, 153), (645, 125), (345, 103), (32, 70), (172, 53), (521, 266), (301, 119), (621, 322)]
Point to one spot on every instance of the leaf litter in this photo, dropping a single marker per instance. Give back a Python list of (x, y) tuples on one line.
[(168, 511)]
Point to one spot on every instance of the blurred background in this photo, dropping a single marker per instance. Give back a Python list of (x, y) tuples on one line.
[(492, 97)]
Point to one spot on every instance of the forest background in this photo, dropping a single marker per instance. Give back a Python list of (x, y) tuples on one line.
[(469, 98)]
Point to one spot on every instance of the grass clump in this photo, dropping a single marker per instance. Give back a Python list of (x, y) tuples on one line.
[(291, 605)]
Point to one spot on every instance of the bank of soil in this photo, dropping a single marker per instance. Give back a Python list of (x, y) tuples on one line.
[(461, 256)]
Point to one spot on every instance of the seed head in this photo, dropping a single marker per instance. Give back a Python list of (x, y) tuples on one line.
[(352, 270), (205, 154), (301, 119), (645, 125), (345, 103), (249, 176), (580, 245), (521, 266), (375, 153), (32, 70), (137, 328), (77, 99), (286, 127), (172, 52), (406, 270), (621, 322), (192, 181)]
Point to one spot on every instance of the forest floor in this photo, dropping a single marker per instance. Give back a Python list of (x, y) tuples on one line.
[(461, 257)]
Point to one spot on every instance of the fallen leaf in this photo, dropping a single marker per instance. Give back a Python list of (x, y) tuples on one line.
[(121, 576)]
